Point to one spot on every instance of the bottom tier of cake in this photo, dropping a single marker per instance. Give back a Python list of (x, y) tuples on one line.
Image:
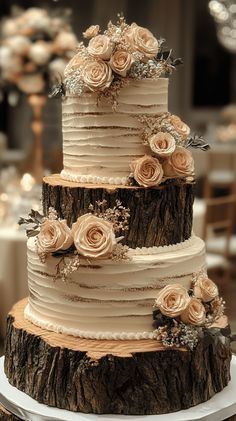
[(117, 377)]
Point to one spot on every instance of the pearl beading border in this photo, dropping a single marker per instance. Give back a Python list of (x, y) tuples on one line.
[(87, 334), (163, 249), (94, 179)]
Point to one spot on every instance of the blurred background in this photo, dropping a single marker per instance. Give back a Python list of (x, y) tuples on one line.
[(202, 92)]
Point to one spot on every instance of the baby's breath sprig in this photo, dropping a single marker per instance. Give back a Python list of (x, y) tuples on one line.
[(74, 84), (111, 94), (118, 215), (52, 214), (158, 123), (197, 142), (116, 32), (66, 266), (152, 124), (120, 252), (178, 335), (214, 310)]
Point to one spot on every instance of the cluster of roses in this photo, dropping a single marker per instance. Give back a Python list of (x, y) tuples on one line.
[(111, 54), (175, 302), (35, 45), (92, 236), (170, 160)]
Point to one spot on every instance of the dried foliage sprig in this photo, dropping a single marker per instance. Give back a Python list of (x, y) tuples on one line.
[(197, 142), (111, 94), (120, 252), (214, 310), (152, 124), (58, 89), (118, 215), (35, 219), (177, 334), (68, 264)]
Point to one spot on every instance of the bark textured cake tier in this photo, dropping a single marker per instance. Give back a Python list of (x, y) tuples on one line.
[(121, 315)]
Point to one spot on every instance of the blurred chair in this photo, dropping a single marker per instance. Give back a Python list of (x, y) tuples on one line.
[(218, 234), (221, 171)]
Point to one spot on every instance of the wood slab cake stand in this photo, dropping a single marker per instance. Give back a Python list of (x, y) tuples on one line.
[(99, 376), (6, 415)]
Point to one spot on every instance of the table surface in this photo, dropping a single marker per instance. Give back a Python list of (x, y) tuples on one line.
[(218, 408), (13, 271)]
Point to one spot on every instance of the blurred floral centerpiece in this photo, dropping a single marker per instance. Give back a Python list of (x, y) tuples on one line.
[(35, 47), (227, 131)]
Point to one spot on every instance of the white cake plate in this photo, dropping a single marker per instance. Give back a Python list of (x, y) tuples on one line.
[(218, 408)]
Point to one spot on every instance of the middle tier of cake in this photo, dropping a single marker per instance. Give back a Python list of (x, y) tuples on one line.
[(159, 216), (106, 299)]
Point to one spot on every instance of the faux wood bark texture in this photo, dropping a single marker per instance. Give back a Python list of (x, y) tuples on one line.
[(147, 383), (7, 416), (158, 216)]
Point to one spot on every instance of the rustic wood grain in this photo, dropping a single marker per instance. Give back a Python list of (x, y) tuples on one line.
[(158, 216), (154, 382), (6, 415)]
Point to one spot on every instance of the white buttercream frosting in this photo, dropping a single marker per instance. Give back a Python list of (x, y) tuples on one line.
[(105, 299), (98, 143)]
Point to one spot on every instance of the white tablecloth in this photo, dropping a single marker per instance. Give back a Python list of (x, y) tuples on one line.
[(13, 271), (199, 211), (219, 407), (222, 154)]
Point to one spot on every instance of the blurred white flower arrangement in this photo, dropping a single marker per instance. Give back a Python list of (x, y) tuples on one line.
[(35, 46)]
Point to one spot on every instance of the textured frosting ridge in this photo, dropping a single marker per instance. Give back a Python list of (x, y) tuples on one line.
[(98, 143), (108, 299)]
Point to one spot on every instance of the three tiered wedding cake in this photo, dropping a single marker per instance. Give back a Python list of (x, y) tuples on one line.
[(114, 270)]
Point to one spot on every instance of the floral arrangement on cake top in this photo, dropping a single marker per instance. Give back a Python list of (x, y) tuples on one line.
[(106, 65), (35, 48), (95, 235), (180, 314), (111, 58)]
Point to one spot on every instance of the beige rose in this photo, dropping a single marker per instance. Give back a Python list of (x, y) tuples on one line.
[(97, 75), (147, 171), (205, 289), (142, 40), (182, 129), (179, 164), (194, 314), (100, 47), (120, 62), (162, 144), (91, 32), (93, 236), (73, 65), (54, 235), (172, 300)]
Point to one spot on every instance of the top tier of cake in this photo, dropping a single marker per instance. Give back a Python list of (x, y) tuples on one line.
[(98, 142), (116, 126)]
